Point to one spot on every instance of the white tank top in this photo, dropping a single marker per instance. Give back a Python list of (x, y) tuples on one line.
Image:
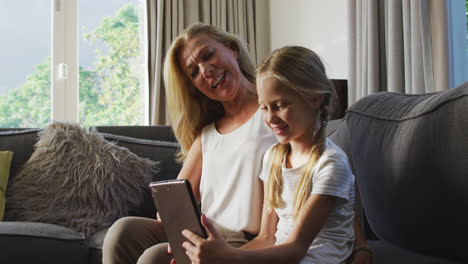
[(230, 187)]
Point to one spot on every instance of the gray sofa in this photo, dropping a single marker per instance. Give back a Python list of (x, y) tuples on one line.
[(409, 154)]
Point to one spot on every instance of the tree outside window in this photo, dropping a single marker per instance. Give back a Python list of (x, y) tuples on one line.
[(109, 92)]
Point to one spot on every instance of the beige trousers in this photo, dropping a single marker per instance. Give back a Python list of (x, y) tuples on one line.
[(138, 240), (135, 240)]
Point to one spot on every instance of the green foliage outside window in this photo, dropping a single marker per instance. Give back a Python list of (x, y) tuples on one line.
[(28, 106), (109, 93)]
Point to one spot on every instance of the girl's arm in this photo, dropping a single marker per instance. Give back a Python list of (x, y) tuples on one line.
[(363, 254), (307, 226), (192, 168)]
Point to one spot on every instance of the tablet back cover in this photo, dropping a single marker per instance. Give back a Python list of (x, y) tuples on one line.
[(178, 210)]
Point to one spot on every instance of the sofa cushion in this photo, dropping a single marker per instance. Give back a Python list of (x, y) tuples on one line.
[(158, 150), (24, 243), (20, 142), (95, 243), (77, 180), (162, 151), (5, 160), (409, 153), (386, 253), (158, 133)]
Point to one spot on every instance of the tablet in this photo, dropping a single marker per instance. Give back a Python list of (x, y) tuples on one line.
[(178, 210)]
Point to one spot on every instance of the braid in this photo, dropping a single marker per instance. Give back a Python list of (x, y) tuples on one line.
[(305, 184), (324, 111)]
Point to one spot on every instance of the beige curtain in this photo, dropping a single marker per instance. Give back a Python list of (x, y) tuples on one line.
[(399, 46), (168, 18)]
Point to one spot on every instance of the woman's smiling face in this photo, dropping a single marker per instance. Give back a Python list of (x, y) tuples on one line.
[(211, 66), (289, 115)]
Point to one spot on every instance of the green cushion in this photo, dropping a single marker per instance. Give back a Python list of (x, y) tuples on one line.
[(5, 160)]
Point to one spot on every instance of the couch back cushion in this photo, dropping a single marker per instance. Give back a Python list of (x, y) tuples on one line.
[(410, 156), (152, 142), (159, 133), (21, 142), (158, 150)]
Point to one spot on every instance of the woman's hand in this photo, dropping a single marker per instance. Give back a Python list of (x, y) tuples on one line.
[(169, 251), (212, 250)]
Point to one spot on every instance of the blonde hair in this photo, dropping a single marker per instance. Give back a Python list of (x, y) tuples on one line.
[(190, 110), (302, 71)]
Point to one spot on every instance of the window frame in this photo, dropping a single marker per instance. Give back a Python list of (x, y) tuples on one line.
[(65, 60)]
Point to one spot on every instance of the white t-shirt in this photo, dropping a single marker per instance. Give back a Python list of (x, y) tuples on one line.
[(331, 175), (230, 188)]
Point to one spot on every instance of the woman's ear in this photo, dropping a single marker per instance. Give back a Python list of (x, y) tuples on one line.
[(317, 101), (234, 48)]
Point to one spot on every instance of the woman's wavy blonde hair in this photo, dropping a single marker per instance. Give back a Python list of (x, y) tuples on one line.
[(190, 110), (302, 71)]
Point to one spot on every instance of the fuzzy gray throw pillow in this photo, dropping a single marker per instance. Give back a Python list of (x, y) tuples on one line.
[(78, 180)]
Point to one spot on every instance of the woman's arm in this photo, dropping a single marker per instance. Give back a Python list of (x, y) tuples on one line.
[(192, 168), (307, 226), (266, 236)]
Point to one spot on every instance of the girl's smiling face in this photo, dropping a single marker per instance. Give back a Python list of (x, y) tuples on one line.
[(212, 67), (290, 116)]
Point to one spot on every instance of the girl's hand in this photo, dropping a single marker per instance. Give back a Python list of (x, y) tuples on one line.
[(212, 250), (361, 257)]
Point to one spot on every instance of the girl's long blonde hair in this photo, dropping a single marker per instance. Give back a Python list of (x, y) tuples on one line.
[(302, 71), (190, 110)]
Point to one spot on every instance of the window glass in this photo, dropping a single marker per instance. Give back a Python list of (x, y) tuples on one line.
[(112, 62), (458, 42), (25, 27)]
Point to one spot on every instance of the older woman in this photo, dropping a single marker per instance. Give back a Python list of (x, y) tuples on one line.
[(210, 85)]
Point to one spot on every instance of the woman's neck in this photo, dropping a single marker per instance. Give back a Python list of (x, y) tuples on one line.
[(239, 110), (244, 101)]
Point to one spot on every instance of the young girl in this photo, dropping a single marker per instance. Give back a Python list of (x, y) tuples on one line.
[(309, 187)]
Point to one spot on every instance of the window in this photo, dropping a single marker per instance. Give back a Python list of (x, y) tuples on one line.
[(459, 41), (81, 61)]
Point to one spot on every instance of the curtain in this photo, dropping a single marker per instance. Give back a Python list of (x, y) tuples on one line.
[(399, 46), (168, 18)]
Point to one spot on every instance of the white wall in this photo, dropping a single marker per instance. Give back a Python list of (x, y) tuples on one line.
[(316, 24)]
